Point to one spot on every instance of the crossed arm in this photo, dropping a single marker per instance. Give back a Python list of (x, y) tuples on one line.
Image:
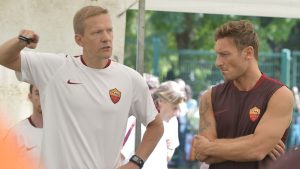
[(254, 147)]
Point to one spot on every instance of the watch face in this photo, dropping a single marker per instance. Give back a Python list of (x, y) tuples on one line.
[(137, 160)]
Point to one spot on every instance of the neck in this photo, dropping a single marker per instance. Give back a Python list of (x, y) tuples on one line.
[(248, 80), (37, 119), (164, 117), (95, 62)]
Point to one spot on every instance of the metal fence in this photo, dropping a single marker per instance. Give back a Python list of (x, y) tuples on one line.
[(197, 67), (198, 70)]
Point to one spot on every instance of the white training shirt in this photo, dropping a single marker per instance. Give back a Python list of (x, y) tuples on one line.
[(85, 110), (29, 140), (128, 148), (158, 158)]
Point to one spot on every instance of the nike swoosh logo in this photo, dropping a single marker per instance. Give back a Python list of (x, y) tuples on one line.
[(69, 82), (30, 148)]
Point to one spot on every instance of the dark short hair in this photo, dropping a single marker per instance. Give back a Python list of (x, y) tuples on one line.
[(242, 32), (30, 88), (83, 14)]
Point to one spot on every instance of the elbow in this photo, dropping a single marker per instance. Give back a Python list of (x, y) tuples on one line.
[(257, 156), (261, 156)]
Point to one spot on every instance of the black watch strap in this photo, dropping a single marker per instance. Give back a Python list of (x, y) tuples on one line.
[(137, 160)]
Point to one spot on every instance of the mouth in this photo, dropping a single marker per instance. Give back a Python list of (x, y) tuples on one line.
[(223, 71), (106, 47)]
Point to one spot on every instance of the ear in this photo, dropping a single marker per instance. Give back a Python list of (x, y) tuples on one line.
[(30, 96), (248, 52), (78, 40), (158, 103)]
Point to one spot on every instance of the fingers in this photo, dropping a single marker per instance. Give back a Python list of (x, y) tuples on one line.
[(280, 148), (277, 151), (200, 157), (29, 38), (281, 144), (199, 144), (274, 154), (25, 39)]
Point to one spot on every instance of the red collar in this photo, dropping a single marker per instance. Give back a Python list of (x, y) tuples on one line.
[(31, 122), (107, 64)]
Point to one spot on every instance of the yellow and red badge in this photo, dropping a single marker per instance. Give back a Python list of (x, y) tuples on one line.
[(115, 95), (254, 113)]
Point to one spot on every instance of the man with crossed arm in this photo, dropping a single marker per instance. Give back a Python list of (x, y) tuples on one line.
[(244, 120)]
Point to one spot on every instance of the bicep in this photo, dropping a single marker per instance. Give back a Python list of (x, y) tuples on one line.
[(276, 119), (14, 64), (207, 124)]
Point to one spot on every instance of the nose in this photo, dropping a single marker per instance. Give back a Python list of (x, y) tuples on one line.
[(218, 61), (106, 36)]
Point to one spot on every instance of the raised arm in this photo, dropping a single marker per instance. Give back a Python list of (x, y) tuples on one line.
[(10, 50), (267, 135)]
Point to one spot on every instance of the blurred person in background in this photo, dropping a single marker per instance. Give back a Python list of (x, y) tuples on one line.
[(28, 132), (167, 99)]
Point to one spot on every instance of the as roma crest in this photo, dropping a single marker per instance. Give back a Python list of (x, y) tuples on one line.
[(115, 95), (254, 113)]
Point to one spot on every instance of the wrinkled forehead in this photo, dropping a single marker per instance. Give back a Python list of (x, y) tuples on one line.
[(224, 43)]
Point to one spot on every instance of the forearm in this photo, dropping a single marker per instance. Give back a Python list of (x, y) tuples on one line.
[(10, 51), (151, 137), (240, 149), (213, 160)]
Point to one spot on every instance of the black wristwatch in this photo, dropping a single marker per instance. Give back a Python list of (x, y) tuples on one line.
[(137, 160)]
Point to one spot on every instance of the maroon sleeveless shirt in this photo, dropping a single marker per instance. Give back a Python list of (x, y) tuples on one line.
[(237, 114)]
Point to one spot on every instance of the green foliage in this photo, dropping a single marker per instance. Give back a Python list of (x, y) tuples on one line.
[(181, 31)]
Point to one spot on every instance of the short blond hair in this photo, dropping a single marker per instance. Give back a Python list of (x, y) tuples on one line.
[(169, 91), (83, 14)]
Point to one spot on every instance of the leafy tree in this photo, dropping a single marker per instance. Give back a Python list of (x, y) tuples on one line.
[(179, 34)]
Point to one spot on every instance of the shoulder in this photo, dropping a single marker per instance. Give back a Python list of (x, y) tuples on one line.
[(18, 128), (272, 80), (128, 72), (126, 69), (283, 94), (206, 93), (21, 125), (205, 98)]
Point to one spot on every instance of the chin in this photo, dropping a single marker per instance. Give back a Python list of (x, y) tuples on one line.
[(228, 78), (107, 57)]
